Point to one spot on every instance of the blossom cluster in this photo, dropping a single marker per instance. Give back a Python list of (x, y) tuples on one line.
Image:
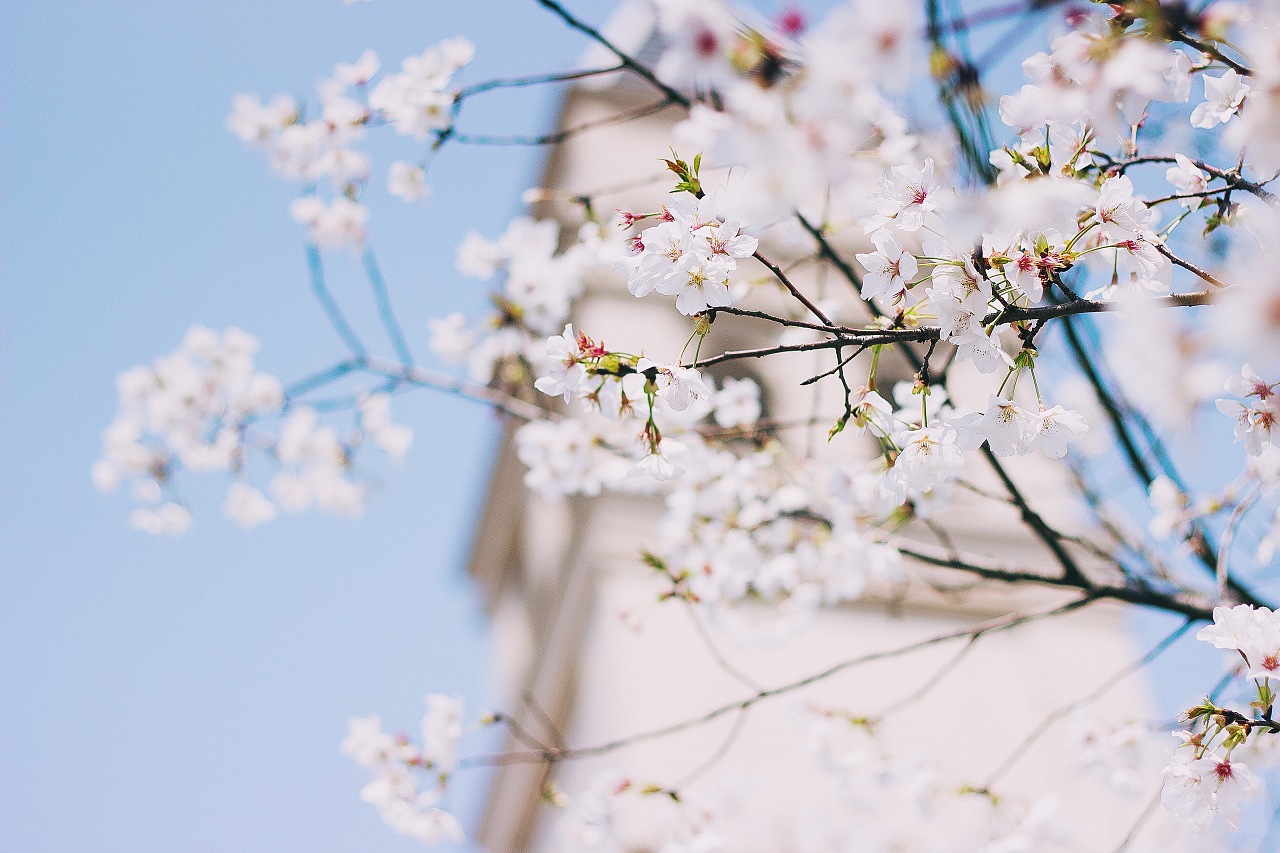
[(1255, 419), (400, 766), (805, 126), (749, 528), (190, 409), (537, 285), (1204, 782), (619, 388), (205, 408), (689, 255), (417, 101)]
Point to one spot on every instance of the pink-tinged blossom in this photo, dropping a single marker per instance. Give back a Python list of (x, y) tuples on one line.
[(1262, 648), (1256, 422), (1206, 789), (890, 269), (1223, 97), (565, 370), (1254, 425), (1247, 383), (724, 240), (905, 197), (701, 37)]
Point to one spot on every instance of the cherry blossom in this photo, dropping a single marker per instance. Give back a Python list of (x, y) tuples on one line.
[(1187, 178), (1223, 97), (890, 269), (408, 182)]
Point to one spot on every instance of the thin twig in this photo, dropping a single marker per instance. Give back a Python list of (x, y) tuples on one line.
[(331, 309), (1102, 689), (553, 756), (383, 299)]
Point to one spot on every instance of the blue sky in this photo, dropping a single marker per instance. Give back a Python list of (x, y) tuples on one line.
[(190, 694)]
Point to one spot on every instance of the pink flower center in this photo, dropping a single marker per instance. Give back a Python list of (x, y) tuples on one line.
[(791, 24), (706, 44)]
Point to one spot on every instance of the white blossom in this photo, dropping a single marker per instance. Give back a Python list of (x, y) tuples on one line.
[(1223, 97), (408, 182)]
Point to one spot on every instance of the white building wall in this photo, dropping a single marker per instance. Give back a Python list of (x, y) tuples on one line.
[(560, 575)]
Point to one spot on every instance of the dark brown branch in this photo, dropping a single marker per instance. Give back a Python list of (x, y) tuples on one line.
[(625, 59), (1187, 265), (782, 321), (1210, 50), (1182, 603), (1096, 306), (869, 338), (791, 288), (1231, 176), (568, 133), (534, 80)]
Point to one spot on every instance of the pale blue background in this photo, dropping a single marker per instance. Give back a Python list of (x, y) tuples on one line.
[(190, 694)]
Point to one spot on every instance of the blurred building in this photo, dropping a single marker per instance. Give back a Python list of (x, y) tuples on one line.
[(585, 654)]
